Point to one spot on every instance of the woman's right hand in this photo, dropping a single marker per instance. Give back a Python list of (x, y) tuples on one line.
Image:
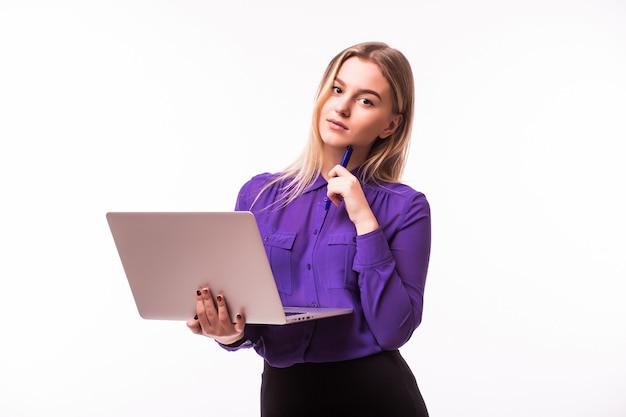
[(213, 320)]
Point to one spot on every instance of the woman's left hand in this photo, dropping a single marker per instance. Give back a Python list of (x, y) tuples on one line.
[(342, 185)]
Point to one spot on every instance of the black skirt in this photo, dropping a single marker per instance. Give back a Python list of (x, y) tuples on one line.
[(380, 385)]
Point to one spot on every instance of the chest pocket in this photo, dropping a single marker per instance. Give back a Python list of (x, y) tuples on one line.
[(279, 246), (340, 257)]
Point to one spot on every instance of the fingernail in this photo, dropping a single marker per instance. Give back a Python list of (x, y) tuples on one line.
[(198, 292), (195, 317), (219, 298), (238, 316)]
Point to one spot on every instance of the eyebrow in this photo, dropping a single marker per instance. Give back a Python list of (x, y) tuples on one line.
[(366, 91)]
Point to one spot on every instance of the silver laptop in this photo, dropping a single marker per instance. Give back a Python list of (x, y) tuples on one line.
[(168, 256)]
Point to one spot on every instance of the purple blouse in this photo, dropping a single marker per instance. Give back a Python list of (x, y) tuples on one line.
[(318, 260)]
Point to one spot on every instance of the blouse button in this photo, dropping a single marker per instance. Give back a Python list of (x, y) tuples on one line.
[(308, 266), (315, 231), (266, 238), (314, 304)]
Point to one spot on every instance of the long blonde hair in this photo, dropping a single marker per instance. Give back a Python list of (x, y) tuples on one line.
[(386, 160)]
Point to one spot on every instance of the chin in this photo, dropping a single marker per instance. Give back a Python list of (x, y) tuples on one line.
[(334, 142)]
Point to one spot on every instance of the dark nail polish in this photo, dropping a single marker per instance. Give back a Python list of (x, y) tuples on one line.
[(219, 298), (195, 317), (238, 316), (198, 292)]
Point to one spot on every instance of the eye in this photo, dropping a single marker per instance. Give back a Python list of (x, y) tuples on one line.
[(366, 102), (337, 90)]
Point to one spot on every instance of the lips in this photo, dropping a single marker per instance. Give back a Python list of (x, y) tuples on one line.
[(336, 124)]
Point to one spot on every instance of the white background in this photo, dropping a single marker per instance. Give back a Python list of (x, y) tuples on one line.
[(173, 104)]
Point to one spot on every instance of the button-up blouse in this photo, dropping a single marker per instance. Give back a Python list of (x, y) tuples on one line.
[(319, 261)]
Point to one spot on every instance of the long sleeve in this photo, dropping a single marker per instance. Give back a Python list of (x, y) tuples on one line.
[(392, 275)]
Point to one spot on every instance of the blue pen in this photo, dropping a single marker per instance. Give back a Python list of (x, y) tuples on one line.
[(344, 163)]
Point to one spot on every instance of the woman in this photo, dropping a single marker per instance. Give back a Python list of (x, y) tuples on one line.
[(369, 251)]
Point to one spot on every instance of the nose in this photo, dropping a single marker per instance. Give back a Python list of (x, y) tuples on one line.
[(342, 107)]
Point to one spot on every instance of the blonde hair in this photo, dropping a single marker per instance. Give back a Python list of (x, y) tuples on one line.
[(386, 160)]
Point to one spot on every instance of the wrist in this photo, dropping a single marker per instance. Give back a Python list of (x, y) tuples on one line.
[(229, 340), (366, 224)]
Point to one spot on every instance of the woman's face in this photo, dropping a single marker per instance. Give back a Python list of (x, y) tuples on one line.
[(359, 110)]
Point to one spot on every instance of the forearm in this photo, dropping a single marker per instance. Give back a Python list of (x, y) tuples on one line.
[(391, 281)]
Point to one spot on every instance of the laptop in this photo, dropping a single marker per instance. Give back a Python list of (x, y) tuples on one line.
[(168, 256)]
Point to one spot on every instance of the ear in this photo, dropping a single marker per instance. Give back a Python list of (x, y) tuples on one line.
[(394, 124)]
